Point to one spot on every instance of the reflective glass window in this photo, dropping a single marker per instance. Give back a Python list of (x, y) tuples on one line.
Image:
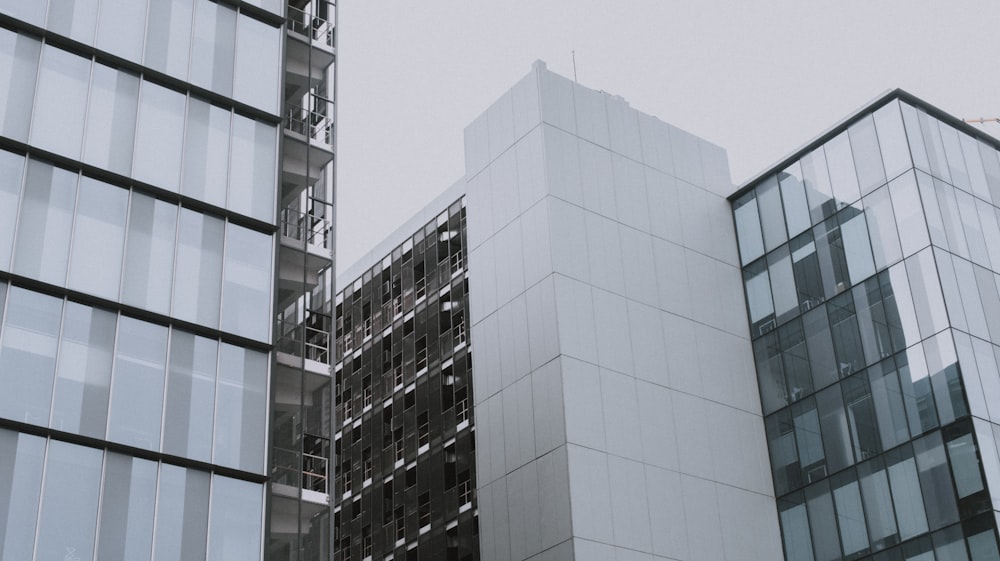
[(973, 229), (76, 19), (18, 68), (793, 196), (925, 287), (964, 460), (21, 465), (956, 161), (95, 264), (831, 257), (872, 323), (60, 102), (850, 514), (877, 501), (886, 248), (952, 220), (759, 301), (772, 217), (867, 156), (974, 164), (748, 231), (31, 12), (819, 343), (986, 282), (914, 136), (770, 376), (237, 508), (805, 269), (11, 169), (899, 304), (795, 529), (991, 231), (181, 514), (252, 168), (258, 64), (966, 279), (935, 146), (822, 519), (785, 298), (246, 306), (121, 26), (83, 378), (843, 176), (198, 282), (991, 165), (887, 399), (795, 360), (895, 315), (46, 222), (149, 244), (68, 521), (892, 139), (805, 419), (274, 6), (833, 426), (857, 247), (942, 366), (988, 453), (159, 136), (111, 119), (28, 355), (909, 215), (861, 417), (935, 480), (819, 192), (932, 211), (206, 152), (214, 46), (137, 385), (127, 508), (905, 487), (948, 544), (784, 455), (168, 36), (846, 336), (917, 392), (190, 396), (241, 403), (982, 540)]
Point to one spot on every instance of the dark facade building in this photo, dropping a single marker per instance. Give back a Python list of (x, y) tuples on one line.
[(870, 263)]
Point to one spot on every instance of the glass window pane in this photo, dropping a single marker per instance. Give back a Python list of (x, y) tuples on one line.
[(21, 466), (948, 544), (18, 68), (748, 232), (11, 170), (974, 163), (241, 406), (258, 64), (892, 140), (991, 164), (770, 376), (911, 122), (850, 515), (935, 146), (843, 176), (772, 217), (795, 360), (168, 36), (795, 529), (152, 227), (83, 379), (935, 481), (784, 455), (991, 231), (846, 336), (810, 441), (252, 169), (909, 214), (965, 465), (786, 301), (206, 153), (932, 210), (98, 239), (822, 520), (898, 298), (956, 162), (758, 287), (857, 247), (861, 417), (199, 268), (31, 12), (190, 396), (833, 425), (61, 102), (906, 492), (867, 156), (68, 522), (246, 308), (793, 195), (878, 504), (137, 386), (887, 398), (974, 306), (127, 509), (819, 343), (28, 355), (121, 27), (832, 260), (181, 514), (942, 365), (111, 119), (917, 393), (237, 508), (159, 137), (872, 322), (882, 228), (819, 192), (214, 47), (75, 19), (926, 290), (805, 268), (46, 222), (969, 218)]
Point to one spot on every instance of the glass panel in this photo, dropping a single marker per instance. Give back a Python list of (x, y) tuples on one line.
[(805, 268), (748, 231), (882, 228), (152, 227), (906, 492), (772, 217), (969, 218), (872, 323), (786, 301), (974, 163), (795, 360), (784, 456), (822, 520), (46, 222), (832, 261), (61, 102), (246, 307), (237, 511), (819, 192), (127, 509), (846, 337), (991, 164), (915, 137), (68, 522), (878, 504), (819, 343), (833, 425), (902, 302), (795, 529), (11, 170), (31, 12), (159, 137), (917, 393), (887, 399), (793, 195), (95, 265), (137, 386), (21, 466), (251, 173), (214, 47), (965, 466), (199, 268), (942, 364), (918, 550), (861, 417), (843, 176), (206, 152), (773, 391), (181, 514), (935, 481), (867, 157), (121, 27), (926, 290), (850, 515), (75, 19), (953, 153), (258, 64), (909, 214), (241, 407), (948, 544), (857, 248), (810, 441), (28, 355), (190, 396), (168, 36), (934, 145), (932, 210), (759, 301), (991, 231), (892, 140), (972, 303), (84, 373), (111, 119)]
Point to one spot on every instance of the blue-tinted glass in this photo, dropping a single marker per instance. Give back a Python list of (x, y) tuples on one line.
[(46, 222), (909, 214), (18, 68), (812, 459), (190, 396), (861, 417), (833, 425), (795, 360), (887, 399), (795, 529), (819, 342), (935, 146), (911, 121), (850, 515), (846, 336), (241, 406), (882, 228), (956, 161), (237, 509), (877, 501), (28, 355), (805, 268), (773, 390)]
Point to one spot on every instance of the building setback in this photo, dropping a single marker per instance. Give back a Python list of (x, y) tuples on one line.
[(166, 193), (870, 261)]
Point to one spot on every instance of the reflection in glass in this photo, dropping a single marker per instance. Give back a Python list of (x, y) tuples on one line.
[(857, 247), (246, 306), (75, 19), (83, 379), (917, 393), (925, 288), (60, 102), (235, 531), (152, 226), (833, 425), (168, 36), (784, 455), (793, 195), (953, 154), (810, 441), (46, 221), (241, 407), (773, 391), (935, 146), (892, 140), (127, 509), (887, 399), (819, 342), (258, 63), (914, 136), (905, 489), (181, 514), (11, 167), (759, 301), (991, 165), (31, 12), (935, 480), (805, 268), (822, 520), (850, 515), (819, 192), (68, 520), (795, 529), (878, 504), (882, 228), (909, 215), (252, 168), (795, 360), (190, 396), (786, 302), (137, 386), (843, 176), (974, 164), (206, 152), (861, 417), (748, 231), (159, 136), (214, 47), (21, 459), (18, 67), (846, 336), (111, 119), (772, 216), (121, 27), (942, 364), (199, 268), (98, 239), (867, 156), (28, 355)]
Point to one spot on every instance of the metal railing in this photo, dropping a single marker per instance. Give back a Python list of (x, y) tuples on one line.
[(302, 226), (301, 339), (312, 27), (309, 123), (314, 472)]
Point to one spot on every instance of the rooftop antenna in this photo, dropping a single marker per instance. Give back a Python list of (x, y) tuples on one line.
[(574, 66), (983, 120)]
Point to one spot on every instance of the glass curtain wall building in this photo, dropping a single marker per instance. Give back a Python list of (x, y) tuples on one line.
[(148, 178), (871, 264)]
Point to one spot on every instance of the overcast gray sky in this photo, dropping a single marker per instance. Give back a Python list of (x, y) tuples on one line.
[(759, 78)]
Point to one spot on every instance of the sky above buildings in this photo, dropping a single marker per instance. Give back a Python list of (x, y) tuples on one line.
[(759, 78)]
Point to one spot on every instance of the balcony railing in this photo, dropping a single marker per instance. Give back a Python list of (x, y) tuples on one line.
[(314, 472), (301, 226), (310, 26), (305, 340), (312, 124)]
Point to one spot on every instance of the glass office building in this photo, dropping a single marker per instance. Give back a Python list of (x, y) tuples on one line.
[(871, 264), (165, 179)]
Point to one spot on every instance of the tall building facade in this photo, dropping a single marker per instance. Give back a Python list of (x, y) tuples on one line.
[(165, 180), (870, 261)]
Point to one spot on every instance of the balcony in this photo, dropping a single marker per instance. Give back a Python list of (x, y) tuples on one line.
[(311, 28)]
